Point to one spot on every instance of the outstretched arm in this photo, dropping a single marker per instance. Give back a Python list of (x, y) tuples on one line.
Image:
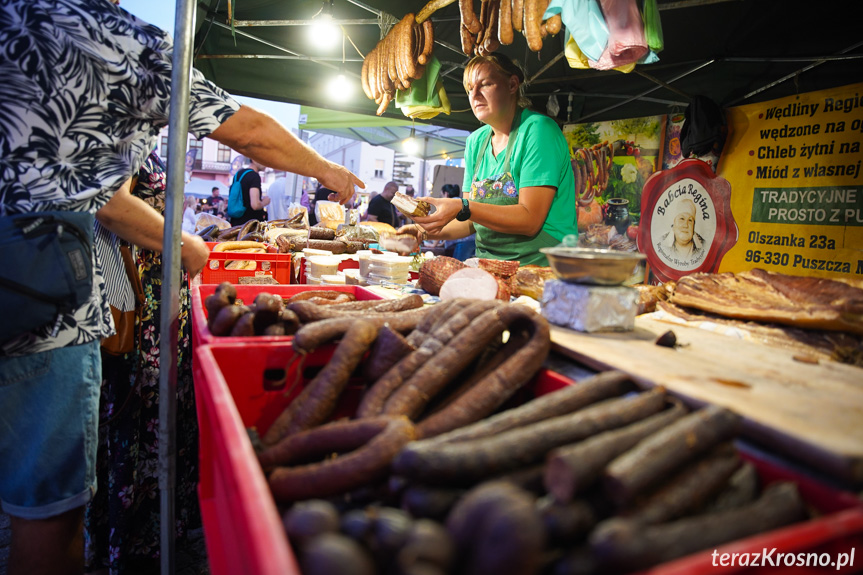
[(262, 138)]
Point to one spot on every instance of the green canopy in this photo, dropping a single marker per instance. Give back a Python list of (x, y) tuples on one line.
[(432, 142)]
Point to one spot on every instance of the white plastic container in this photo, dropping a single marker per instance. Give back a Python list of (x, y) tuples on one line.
[(363, 257), (333, 280), (386, 264), (320, 266)]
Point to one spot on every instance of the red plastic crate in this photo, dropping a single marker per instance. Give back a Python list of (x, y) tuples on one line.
[(201, 334), (272, 263), (243, 530)]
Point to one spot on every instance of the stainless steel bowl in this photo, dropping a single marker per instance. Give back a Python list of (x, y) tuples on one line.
[(592, 266)]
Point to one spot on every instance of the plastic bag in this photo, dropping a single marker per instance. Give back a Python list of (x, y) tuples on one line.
[(584, 21), (296, 208), (325, 210), (653, 26), (205, 220)]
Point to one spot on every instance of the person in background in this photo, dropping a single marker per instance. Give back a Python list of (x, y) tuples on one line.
[(121, 528), (47, 462), (462, 248), (217, 203), (190, 204), (253, 198), (365, 211), (381, 208), (321, 194), (518, 171), (278, 209)]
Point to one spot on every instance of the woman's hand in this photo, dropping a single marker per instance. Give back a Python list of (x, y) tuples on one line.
[(194, 253), (446, 209)]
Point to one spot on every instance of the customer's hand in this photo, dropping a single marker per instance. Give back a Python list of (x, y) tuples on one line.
[(341, 181), (413, 230), (194, 253)]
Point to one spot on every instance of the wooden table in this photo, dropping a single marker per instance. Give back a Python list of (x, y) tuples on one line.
[(809, 412)]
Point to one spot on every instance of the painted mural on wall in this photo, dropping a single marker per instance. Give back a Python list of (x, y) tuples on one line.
[(611, 161)]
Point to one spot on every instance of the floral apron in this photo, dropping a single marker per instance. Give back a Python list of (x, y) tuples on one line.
[(502, 190)]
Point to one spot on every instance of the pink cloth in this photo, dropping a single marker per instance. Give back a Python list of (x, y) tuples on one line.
[(626, 41)]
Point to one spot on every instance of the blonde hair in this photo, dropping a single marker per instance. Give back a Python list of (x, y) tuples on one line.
[(504, 66)]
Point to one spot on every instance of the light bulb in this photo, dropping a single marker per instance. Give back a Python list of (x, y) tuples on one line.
[(324, 33), (410, 146), (340, 88)]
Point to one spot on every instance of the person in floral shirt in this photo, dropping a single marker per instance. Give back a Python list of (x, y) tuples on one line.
[(85, 89)]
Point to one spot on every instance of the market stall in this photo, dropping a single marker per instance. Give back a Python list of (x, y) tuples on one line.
[(390, 410)]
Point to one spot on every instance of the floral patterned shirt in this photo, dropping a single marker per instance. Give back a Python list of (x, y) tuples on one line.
[(84, 90)]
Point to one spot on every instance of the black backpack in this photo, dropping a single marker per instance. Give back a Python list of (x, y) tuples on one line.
[(703, 127)]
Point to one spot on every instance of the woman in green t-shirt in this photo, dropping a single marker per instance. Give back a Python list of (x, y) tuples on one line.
[(518, 171)]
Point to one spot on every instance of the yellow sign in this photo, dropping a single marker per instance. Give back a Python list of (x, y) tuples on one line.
[(794, 166)]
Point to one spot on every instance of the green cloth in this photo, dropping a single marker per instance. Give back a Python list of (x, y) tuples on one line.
[(540, 157), (426, 97)]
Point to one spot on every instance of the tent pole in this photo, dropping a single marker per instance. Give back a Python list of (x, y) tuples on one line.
[(792, 75), (184, 18), (638, 96)]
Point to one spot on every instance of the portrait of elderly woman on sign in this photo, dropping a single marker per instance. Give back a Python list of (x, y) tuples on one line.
[(683, 241)]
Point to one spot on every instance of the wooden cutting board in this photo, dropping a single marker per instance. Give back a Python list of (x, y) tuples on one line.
[(809, 412)]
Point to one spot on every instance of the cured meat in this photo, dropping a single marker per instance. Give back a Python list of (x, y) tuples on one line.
[(805, 302), (818, 345)]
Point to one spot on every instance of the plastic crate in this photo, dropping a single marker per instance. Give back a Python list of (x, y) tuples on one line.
[(201, 334), (243, 530), (272, 263)]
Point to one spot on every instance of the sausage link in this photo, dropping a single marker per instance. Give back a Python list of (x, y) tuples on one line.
[(491, 42), (309, 312), (430, 8), (339, 436), (554, 24), (375, 398), (364, 79), (316, 293), (385, 103), (345, 472), (468, 17), (428, 42), (504, 32), (467, 41), (518, 15), (318, 400), (411, 397), (398, 33), (406, 47), (532, 20), (489, 393), (313, 335)]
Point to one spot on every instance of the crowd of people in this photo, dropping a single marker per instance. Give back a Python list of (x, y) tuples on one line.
[(80, 422)]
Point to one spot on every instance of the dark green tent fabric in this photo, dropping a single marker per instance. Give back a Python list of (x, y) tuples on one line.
[(734, 51)]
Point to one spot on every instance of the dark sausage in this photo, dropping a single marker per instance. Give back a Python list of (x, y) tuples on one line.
[(345, 472)]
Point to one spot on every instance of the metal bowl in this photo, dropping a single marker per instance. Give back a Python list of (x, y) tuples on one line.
[(592, 266)]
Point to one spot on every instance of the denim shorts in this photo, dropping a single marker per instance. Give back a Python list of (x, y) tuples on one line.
[(49, 423)]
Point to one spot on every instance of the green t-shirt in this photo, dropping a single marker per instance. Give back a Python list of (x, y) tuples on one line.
[(540, 157)]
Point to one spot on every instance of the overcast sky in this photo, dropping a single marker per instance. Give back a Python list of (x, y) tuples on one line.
[(161, 14)]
